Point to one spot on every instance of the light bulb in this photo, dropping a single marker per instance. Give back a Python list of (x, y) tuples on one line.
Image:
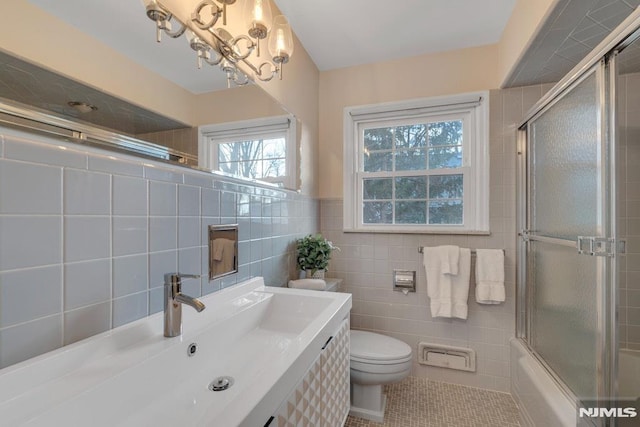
[(281, 40), (257, 15)]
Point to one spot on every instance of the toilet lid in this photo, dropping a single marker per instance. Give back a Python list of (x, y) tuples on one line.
[(371, 347)]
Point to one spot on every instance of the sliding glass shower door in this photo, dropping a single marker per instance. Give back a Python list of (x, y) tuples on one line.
[(565, 235)]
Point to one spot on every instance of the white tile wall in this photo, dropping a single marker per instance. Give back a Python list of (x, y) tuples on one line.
[(629, 211), (366, 262), (86, 237)]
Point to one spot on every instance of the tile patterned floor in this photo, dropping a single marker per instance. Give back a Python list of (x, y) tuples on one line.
[(419, 402)]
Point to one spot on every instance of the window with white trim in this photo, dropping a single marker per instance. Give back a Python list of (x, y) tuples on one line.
[(262, 149), (418, 166)]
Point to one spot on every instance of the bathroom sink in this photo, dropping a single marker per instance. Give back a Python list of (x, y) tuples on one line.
[(262, 337)]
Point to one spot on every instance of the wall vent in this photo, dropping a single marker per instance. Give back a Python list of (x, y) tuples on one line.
[(444, 356)]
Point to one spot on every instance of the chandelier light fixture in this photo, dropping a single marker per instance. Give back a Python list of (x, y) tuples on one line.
[(224, 49)]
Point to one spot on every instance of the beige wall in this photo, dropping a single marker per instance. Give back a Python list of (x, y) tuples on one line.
[(459, 71)]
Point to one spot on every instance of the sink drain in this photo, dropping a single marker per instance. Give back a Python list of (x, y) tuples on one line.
[(221, 383)]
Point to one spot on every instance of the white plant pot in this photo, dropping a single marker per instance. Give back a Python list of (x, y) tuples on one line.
[(319, 274)]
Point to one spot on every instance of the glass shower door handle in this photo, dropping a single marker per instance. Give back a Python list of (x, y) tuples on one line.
[(596, 246)]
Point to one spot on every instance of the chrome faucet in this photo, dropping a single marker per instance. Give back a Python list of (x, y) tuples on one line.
[(173, 300)]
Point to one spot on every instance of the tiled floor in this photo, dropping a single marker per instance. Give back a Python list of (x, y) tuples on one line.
[(419, 402)]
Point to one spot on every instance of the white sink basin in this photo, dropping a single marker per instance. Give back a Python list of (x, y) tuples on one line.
[(264, 338)]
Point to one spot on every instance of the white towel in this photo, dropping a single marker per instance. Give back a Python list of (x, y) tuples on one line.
[(448, 292), (490, 276), (460, 285), (315, 284), (450, 259)]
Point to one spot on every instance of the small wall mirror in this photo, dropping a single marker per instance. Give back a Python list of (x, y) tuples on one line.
[(223, 250)]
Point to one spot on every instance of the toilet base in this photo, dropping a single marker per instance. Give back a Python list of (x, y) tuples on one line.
[(368, 402)]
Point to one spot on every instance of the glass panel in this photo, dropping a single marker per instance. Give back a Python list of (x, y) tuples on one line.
[(229, 167), (243, 150), (565, 165), (445, 212), (378, 189), (378, 139), (411, 136), (377, 213), (377, 161), (273, 167), (445, 157), (272, 148), (410, 160), (445, 133), (414, 187), (411, 212), (251, 169), (564, 313), (445, 187)]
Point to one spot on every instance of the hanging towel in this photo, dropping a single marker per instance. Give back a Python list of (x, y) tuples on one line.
[(315, 284), (224, 255), (490, 276), (450, 259), (460, 285), (448, 292)]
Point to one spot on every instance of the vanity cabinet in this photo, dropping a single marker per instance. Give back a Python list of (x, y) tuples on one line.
[(321, 397)]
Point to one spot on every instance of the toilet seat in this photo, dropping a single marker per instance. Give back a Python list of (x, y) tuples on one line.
[(375, 349)]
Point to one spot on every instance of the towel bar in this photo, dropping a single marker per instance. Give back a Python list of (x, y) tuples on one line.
[(473, 251)]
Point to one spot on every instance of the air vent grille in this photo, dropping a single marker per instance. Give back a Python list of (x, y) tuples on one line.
[(443, 356)]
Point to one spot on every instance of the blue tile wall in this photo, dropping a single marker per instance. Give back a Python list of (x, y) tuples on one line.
[(86, 237)]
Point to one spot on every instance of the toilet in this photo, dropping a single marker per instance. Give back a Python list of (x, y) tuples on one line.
[(375, 360)]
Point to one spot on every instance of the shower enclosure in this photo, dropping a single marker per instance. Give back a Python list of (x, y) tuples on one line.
[(578, 311)]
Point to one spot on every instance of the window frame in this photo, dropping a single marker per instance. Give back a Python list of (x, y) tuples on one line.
[(211, 136), (475, 163)]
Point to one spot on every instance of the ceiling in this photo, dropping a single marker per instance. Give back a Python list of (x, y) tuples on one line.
[(573, 29), (338, 33)]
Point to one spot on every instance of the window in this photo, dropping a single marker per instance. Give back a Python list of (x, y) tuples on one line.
[(418, 166), (262, 149)]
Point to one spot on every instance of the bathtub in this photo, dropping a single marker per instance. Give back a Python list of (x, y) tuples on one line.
[(628, 373), (540, 400)]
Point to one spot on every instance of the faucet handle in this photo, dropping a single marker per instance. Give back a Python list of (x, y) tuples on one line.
[(171, 277), (174, 279), (187, 276)]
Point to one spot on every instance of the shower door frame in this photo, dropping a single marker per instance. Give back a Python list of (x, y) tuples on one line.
[(604, 56), (525, 168)]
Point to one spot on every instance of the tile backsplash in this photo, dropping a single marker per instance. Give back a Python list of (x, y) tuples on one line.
[(366, 263), (86, 237)]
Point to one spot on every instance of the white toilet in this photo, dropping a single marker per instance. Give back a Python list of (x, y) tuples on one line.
[(375, 360)]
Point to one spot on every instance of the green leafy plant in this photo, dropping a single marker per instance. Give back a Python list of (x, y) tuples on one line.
[(314, 252)]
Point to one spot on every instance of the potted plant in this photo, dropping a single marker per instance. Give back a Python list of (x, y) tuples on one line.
[(313, 253)]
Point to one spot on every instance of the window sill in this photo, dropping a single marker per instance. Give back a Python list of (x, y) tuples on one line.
[(414, 231)]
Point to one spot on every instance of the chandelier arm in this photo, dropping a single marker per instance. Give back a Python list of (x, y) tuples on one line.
[(240, 81), (196, 16), (250, 46), (216, 61), (273, 69), (174, 34)]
